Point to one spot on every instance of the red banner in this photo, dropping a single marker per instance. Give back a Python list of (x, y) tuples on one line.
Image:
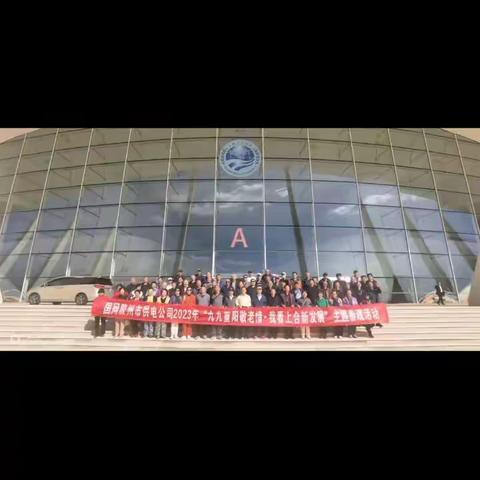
[(247, 316)]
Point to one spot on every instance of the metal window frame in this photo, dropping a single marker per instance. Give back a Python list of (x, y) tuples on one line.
[(313, 203), (215, 203)]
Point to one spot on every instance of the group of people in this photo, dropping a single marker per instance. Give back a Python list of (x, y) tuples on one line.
[(251, 290)]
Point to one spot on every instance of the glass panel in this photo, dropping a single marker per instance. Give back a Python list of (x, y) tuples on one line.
[(300, 239), (330, 151), (293, 261), (446, 163), (66, 158), (189, 262), (336, 215), (13, 266), (395, 285), (137, 264), (96, 217), (463, 244), (407, 139), (141, 215), (448, 181), (150, 170), (238, 262), (190, 214), (287, 191), (472, 167), (335, 192), (52, 242), (434, 266), (240, 132), (464, 266), (379, 195), (144, 192), (427, 242), (414, 177), (187, 169), (239, 191), (239, 161), (11, 149), (15, 243), (331, 239), (142, 134), (188, 238), (190, 191), (422, 219), (382, 217), (38, 144), (101, 195), (8, 167), (455, 201), (280, 148), (6, 185), (48, 265), (107, 154), (197, 132), (204, 148), (287, 169), (96, 239), (19, 221), (25, 201), (61, 197), (149, 150), (411, 158), (32, 163), (91, 263), (103, 136), (146, 238), (329, 134), (286, 132), (373, 154), (459, 222), (370, 135), (250, 213), (388, 264), (239, 238), (64, 177), (385, 240), (442, 145), (376, 174), (57, 219), (73, 139), (287, 214), (415, 197), (27, 181), (99, 174), (474, 184), (337, 171), (439, 131), (3, 203), (470, 149), (343, 262)]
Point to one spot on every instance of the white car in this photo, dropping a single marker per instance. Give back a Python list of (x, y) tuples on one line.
[(80, 290)]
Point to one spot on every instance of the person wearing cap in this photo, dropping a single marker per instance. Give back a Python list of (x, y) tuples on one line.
[(98, 320)]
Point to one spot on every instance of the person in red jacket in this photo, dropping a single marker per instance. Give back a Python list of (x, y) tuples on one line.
[(120, 324), (188, 299)]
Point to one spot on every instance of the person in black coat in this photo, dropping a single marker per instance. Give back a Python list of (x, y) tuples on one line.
[(273, 300), (325, 283), (288, 300), (312, 291), (260, 300), (440, 293)]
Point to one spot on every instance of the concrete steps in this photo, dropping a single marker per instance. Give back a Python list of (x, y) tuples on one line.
[(411, 327)]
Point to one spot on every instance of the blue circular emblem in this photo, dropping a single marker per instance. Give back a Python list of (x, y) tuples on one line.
[(240, 158)]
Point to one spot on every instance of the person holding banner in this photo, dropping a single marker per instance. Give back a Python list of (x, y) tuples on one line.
[(161, 327), (288, 300), (175, 299), (96, 333), (188, 299), (273, 300), (260, 300), (322, 302), (120, 324), (350, 300), (243, 300), (148, 327), (336, 301), (305, 302)]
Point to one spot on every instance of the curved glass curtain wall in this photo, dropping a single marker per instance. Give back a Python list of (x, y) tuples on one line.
[(400, 203)]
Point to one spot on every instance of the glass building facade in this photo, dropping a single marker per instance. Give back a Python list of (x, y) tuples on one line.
[(400, 203)]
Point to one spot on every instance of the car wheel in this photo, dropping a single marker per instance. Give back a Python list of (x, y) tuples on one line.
[(81, 299), (34, 299)]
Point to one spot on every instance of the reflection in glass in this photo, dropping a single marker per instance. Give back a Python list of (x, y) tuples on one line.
[(239, 191), (388, 264), (15, 243), (463, 244), (373, 154), (339, 134), (335, 171), (144, 238), (283, 148), (379, 195), (56, 219), (370, 135), (382, 217), (34, 163), (188, 238), (455, 201), (336, 215), (338, 262), (295, 214), (464, 266), (137, 264), (93, 217), (376, 174), (385, 240), (249, 213), (227, 262), (434, 266), (427, 242), (135, 215), (407, 139), (418, 198), (100, 194), (287, 169), (61, 197), (187, 261), (56, 241), (190, 191), (26, 181), (414, 177), (330, 151), (291, 238), (19, 221), (91, 263), (48, 265), (63, 158), (335, 192), (446, 163), (334, 239), (293, 261), (411, 158), (100, 239), (470, 149), (459, 222), (64, 177), (447, 181), (228, 238), (144, 192), (422, 219), (190, 214)]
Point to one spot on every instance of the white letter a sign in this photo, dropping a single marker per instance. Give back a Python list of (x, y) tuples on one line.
[(239, 237)]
